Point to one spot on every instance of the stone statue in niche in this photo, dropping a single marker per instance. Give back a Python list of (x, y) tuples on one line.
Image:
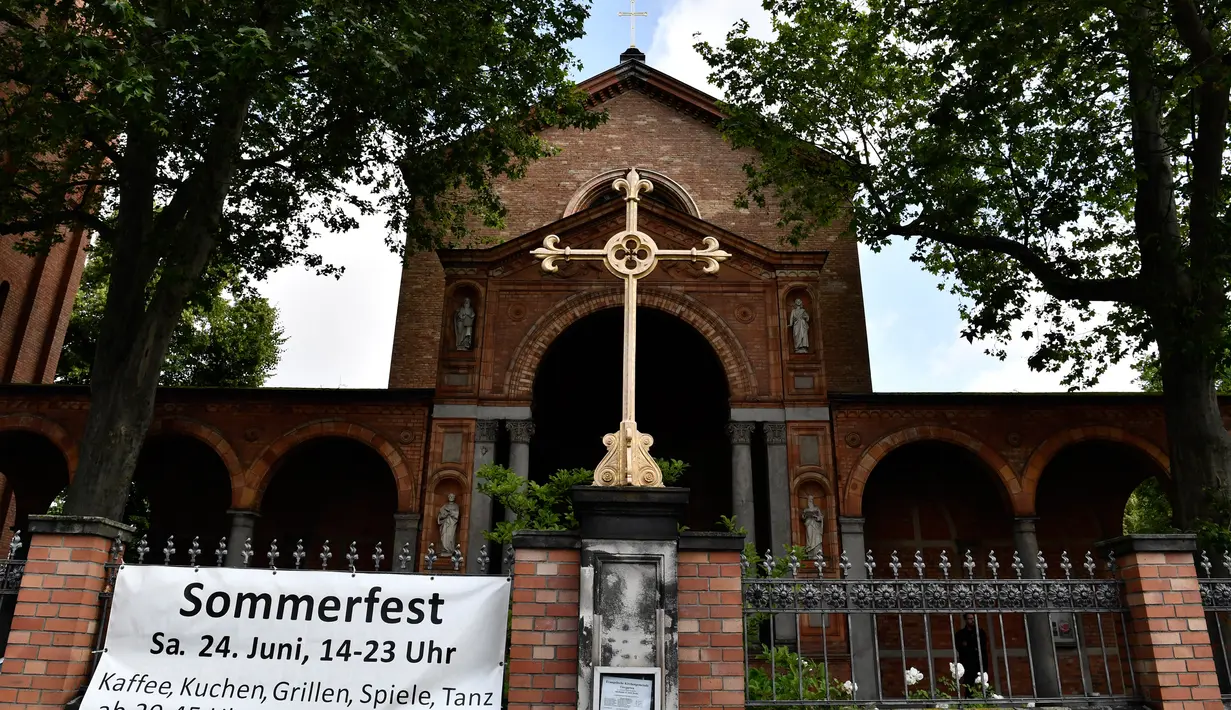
[(799, 326), (814, 526), (446, 520), (463, 326)]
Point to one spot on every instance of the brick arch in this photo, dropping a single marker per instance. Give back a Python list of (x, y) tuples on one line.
[(49, 429), (1045, 452), (207, 435), (852, 495), (257, 477), (741, 380)]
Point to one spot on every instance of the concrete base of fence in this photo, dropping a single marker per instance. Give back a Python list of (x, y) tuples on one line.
[(57, 613), (1170, 645)]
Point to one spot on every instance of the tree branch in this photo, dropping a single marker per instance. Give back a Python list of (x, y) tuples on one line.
[(52, 220), (1123, 289), (270, 160), (1192, 31)]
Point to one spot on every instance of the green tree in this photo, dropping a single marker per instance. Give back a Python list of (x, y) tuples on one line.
[(188, 134), (227, 336), (1060, 165)]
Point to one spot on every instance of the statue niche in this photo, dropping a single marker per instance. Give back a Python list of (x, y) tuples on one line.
[(463, 320)]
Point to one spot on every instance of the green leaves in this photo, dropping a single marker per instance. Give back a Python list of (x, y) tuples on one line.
[(1000, 139)]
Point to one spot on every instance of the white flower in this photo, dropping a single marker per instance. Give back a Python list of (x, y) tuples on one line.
[(850, 687), (957, 669), (982, 679), (997, 696), (914, 675)]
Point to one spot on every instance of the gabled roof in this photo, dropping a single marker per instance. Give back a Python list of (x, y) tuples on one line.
[(747, 255), (635, 75)]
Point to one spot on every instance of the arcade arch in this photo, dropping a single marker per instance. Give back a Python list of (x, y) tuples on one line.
[(328, 488), (682, 401)]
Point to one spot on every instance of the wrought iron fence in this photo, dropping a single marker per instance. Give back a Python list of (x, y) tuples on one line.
[(1216, 598), (327, 559), (12, 567), (922, 634)]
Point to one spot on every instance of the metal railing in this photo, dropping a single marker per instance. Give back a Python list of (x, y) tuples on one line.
[(12, 567), (1216, 599), (922, 634)]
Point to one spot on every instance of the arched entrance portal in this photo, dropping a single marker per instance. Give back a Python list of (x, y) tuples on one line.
[(328, 488), (682, 401), (185, 490)]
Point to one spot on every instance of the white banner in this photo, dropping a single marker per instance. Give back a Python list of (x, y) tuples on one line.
[(239, 639)]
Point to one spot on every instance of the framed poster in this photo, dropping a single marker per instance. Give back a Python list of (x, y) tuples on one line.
[(627, 688)]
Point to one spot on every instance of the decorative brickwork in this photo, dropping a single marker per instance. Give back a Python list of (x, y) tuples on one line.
[(1169, 642), (711, 633), (56, 617), (543, 645)]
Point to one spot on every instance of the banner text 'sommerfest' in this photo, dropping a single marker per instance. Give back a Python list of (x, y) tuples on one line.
[(237, 639)]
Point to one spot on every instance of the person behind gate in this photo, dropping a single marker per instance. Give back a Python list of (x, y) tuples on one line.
[(972, 652)]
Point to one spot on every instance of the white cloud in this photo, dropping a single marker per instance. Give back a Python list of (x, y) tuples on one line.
[(672, 48)]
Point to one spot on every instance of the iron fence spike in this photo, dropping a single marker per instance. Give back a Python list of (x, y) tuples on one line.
[(944, 563), (869, 563), (920, 567), (993, 564), (1066, 565), (247, 551), (484, 559), (844, 564), (1206, 564), (969, 565), (299, 554), (1017, 565), (792, 563), (220, 553), (169, 550), (404, 556), (326, 555), (194, 551), (1040, 565), (894, 564), (768, 563), (457, 558), (273, 554), (1226, 561), (352, 556), (430, 557), (377, 557), (14, 544), (143, 546)]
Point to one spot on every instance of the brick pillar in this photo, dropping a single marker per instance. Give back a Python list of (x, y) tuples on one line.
[(711, 621), (1170, 645), (56, 619), (543, 642)]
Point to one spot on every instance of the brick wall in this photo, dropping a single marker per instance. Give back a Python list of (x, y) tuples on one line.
[(642, 131), (55, 620), (35, 312), (710, 630), (543, 642)]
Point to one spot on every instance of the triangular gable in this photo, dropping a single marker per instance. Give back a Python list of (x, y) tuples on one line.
[(591, 228), (635, 75)]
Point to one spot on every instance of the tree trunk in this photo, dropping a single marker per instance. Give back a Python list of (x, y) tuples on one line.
[(1200, 447)]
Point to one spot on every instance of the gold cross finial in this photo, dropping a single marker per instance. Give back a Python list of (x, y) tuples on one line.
[(630, 255), (632, 16)]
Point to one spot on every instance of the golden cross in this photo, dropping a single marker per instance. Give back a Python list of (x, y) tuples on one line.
[(632, 16), (630, 255)]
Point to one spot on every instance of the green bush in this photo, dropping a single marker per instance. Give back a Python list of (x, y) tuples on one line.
[(544, 506)]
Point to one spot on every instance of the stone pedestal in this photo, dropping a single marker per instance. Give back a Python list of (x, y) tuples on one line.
[(629, 591)]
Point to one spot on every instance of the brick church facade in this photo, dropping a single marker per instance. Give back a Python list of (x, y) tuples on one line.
[(764, 423)]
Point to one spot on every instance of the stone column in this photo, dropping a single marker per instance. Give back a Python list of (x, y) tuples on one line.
[(243, 529), (520, 433), (779, 514), (743, 503), (863, 658), (406, 540), (1042, 649), (479, 518)]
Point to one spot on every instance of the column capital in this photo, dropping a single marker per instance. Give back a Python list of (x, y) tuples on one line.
[(775, 433), (848, 525), (240, 513), (741, 432), (520, 431), (1025, 524), (486, 430), (406, 521)]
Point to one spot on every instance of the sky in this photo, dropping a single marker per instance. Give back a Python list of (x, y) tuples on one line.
[(340, 331)]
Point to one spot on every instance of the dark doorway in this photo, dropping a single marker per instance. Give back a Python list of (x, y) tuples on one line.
[(682, 401), (330, 488), (185, 490)]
